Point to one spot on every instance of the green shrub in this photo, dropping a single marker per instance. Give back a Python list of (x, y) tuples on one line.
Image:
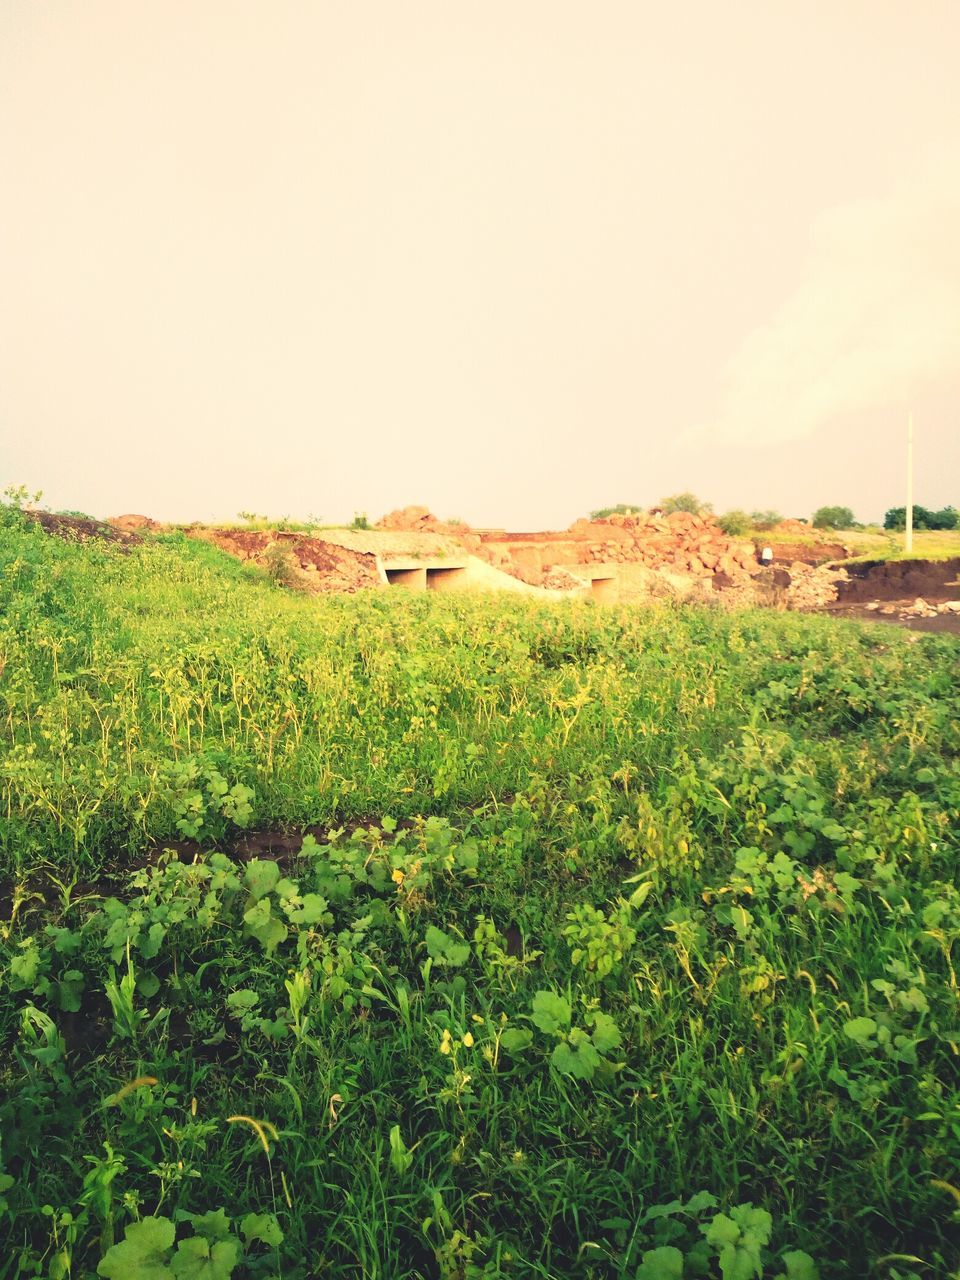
[(735, 523), (834, 518)]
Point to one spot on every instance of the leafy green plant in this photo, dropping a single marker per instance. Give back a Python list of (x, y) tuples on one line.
[(579, 1050), (598, 941), (445, 950), (150, 1249), (127, 1018), (204, 801)]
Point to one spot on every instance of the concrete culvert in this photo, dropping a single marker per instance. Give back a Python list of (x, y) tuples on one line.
[(604, 590), (449, 578), (409, 579)]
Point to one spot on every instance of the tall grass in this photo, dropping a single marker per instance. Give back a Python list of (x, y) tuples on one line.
[(732, 837)]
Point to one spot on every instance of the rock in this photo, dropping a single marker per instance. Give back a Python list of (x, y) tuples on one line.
[(920, 609), (873, 604), (407, 518), (418, 520), (132, 524), (949, 606)]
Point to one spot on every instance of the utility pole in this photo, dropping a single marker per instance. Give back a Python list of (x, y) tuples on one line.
[(908, 540)]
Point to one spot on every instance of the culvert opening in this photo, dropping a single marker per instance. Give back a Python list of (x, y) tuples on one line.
[(604, 589), (408, 579)]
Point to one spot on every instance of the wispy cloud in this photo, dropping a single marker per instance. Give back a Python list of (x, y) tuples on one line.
[(874, 322)]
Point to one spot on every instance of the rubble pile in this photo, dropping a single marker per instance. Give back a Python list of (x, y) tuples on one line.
[(812, 587), (135, 524), (919, 608), (680, 543), (422, 520)]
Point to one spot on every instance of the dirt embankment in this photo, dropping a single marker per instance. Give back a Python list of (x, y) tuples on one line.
[(296, 559), (923, 595), (81, 528), (900, 580), (801, 553)]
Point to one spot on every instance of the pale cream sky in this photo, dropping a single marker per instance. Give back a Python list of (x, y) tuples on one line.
[(511, 260)]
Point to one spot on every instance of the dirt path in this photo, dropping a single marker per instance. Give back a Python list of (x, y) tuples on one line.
[(942, 624)]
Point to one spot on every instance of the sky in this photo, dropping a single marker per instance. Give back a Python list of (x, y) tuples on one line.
[(512, 261)]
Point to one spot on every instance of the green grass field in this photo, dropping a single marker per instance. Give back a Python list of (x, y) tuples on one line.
[(631, 955), (874, 543)]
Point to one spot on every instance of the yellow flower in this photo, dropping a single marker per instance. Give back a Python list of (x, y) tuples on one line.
[(468, 1040), (445, 1042)]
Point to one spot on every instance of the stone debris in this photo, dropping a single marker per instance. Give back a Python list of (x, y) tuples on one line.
[(134, 524), (813, 587), (678, 554), (419, 520), (919, 609), (791, 526), (561, 580)]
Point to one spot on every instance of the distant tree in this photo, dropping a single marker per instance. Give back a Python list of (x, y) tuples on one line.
[(834, 518), (896, 518), (360, 521), (734, 523), (621, 509), (765, 519), (688, 502), (945, 518)]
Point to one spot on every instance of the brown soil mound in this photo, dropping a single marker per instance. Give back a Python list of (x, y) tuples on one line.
[(418, 520), (133, 524), (901, 580), (80, 528), (817, 553), (309, 564)]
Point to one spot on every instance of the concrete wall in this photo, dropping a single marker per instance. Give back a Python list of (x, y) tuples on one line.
[(448, 578)]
